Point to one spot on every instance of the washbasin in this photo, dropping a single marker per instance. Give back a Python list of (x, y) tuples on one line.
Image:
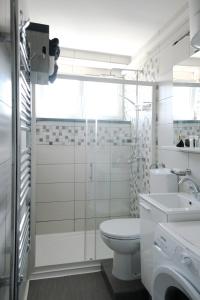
[(173, 201)]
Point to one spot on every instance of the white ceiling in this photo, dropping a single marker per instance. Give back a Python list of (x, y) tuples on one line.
[(113, 26)]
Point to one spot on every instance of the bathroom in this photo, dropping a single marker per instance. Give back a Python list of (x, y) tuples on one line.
[(100, 118)]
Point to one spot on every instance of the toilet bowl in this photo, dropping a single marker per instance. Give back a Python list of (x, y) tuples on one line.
[(123, 237)]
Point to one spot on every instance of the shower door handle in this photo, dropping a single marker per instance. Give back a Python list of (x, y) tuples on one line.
[(91, 171)]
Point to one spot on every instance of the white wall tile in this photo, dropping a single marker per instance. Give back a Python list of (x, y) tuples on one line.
[(54, 154), (80, 154), (120, 190), (99, 172), (80, 224), (120, 154), (80, 191), (165, 111), (97, 208), (102, 208), (165, 134), (54, 227), (80, 209), (54, 211), (98, 190), (165, 90), (100, 154), (55, 173), (119, 207), (173, 159), (120, 172), (194, 165), (52, 192), (80, 172)]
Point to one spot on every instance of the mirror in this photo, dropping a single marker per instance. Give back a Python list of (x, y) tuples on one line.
[(186, 89)]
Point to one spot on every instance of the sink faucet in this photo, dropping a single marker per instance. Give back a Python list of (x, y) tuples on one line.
[(195, 188)]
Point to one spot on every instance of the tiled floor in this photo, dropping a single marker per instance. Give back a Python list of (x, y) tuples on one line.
[(78, 287)]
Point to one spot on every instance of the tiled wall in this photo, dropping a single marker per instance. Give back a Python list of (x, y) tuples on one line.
[(141, 152), (185, 129), (5, 152), (82, 174)]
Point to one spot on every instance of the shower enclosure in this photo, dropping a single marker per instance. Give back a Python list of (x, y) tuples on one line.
[(91, 168)]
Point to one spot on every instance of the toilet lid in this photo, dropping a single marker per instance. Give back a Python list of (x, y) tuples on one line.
[(121, 228)]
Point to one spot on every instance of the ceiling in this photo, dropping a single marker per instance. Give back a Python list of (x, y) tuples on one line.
[(111, 26)]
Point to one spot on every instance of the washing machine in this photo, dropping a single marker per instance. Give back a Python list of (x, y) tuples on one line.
[(176, 274)]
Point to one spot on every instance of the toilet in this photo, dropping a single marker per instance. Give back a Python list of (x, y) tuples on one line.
[(123, 235)]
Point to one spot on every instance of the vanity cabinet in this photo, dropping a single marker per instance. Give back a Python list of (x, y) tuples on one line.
[(151, 216)]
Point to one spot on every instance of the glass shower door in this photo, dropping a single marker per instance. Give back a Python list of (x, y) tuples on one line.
[(98, 187)]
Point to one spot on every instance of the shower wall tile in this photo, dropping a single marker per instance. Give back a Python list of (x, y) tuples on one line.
[(55, 173), (120, 207), (120, 154), (80, 173), (120, 172), (77, 168), (80, 209), (92, 209), (98, 209), (120, 190), (54, 192), (54, 227), (80, 154), (80, 191), (80, 224), (54, 154), (54, 211), (99, 172), (100, 190), (100, 154), (102, 208)]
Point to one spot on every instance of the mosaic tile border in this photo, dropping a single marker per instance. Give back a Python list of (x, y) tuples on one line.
[(103, 134)]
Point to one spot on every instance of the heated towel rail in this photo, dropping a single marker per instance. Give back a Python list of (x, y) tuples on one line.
[(23, 159)]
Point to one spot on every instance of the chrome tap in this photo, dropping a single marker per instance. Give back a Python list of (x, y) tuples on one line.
[(195, 188)]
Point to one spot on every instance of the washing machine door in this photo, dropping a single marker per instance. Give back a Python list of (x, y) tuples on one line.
[(168, 284)]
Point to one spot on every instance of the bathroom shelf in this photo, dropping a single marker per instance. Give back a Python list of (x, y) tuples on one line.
[(181, 149)]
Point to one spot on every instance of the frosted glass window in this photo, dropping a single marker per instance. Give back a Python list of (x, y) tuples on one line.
[(62, 99), (102, 100), (71, 99)]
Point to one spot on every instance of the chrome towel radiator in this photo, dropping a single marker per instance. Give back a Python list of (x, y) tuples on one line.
[(23, 159)]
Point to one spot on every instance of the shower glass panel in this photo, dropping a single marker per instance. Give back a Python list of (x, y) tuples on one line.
[(98, 140), (98, 185), (107, 150)]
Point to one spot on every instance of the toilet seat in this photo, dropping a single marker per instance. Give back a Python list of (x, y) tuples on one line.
[(122, 229)]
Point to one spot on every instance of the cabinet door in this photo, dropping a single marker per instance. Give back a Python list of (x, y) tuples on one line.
[(150, 217)]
